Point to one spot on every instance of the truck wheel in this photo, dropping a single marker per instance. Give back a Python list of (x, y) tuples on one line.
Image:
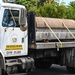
[(71, 69)]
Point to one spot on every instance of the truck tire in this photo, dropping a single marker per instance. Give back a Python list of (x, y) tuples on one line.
[(71, 69)]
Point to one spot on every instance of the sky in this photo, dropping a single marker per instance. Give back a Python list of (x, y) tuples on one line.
[(68, 1)]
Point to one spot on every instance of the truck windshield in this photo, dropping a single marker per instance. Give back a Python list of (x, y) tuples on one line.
[(10, 18)]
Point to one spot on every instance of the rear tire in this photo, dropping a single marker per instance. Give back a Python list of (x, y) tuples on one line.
[(71, 69)]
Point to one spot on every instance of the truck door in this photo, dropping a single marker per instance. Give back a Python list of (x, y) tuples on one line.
[(14, 41)]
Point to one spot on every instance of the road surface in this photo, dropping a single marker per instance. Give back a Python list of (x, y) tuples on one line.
[(54, 70)]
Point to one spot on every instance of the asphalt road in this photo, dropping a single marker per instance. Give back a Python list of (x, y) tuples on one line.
[(54, 70)]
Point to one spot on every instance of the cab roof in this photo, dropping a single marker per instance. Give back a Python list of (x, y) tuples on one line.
[(10, 5)]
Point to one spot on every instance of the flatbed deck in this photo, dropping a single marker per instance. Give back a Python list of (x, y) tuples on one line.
[(54, 45)]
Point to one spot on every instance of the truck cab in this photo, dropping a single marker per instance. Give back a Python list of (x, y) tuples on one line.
[(13, 37), (11, 34)]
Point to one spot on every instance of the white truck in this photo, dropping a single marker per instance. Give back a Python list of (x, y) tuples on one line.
[(13, 38), (27, 41)]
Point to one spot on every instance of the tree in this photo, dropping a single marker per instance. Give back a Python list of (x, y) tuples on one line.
[(61, 11), (49, 8), (27, 3), (72, 4), (71, 10)]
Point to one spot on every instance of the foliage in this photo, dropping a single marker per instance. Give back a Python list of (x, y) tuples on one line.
[(71, 10), (61, 12), (27, 3), (72, 4), (47, 9)]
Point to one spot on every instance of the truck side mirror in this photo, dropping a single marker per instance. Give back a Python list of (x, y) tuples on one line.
[(23, 17)]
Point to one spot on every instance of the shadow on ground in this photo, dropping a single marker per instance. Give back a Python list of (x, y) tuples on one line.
[(54, 70)]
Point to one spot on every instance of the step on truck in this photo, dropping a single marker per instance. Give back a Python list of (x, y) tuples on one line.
[(13, 39)]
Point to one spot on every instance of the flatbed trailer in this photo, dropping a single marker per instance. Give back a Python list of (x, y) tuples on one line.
[(51, 41)]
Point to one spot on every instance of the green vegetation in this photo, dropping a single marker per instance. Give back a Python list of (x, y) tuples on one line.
[(46, 9)]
